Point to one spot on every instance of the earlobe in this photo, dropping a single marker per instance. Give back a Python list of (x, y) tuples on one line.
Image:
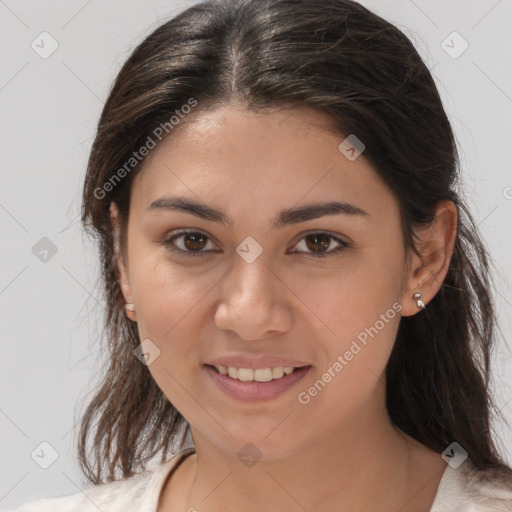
[(129, 306), (428, 271)]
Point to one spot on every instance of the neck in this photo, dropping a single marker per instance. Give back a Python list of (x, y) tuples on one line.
[(370, 465)]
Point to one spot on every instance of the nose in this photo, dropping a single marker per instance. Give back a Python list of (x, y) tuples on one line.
[(253, 303)]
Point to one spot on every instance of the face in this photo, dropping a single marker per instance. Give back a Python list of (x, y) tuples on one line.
[(319, 292)]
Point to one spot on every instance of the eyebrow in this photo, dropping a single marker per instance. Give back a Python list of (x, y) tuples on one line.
[(284, 218)]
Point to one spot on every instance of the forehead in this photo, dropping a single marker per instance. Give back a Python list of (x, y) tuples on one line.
[(277, 157)]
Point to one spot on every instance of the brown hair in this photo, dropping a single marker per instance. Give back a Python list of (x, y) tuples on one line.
[(365, 75)]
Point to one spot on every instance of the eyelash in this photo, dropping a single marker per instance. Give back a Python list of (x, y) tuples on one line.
[(168, 243)]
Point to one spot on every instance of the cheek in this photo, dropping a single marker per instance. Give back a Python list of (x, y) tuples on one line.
[(170, 312), (360, 310), (353, 297), (360, 331), (353, 359), (166, 297)]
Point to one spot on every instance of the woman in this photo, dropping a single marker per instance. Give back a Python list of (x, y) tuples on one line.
[(291, 276)]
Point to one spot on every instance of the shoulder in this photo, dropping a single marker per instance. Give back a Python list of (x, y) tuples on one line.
[(491, 488), (126, 495), (469, 489), (113, 496)]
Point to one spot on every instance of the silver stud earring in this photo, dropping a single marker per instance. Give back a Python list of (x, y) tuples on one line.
[(419, 302), (129, 306)]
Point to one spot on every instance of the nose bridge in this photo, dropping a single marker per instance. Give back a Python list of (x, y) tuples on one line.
[(250, 284), (249, 303)]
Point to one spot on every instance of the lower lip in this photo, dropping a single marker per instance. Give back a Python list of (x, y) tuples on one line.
[(256, 391)]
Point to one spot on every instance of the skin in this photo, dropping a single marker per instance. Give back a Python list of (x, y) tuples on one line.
[(339, 451)]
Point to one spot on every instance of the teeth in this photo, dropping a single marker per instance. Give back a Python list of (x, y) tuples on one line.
[(277, 372), (259, 375), (263, 375), (245, 374)]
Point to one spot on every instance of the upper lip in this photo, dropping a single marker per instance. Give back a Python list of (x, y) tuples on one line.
[(256, 363)]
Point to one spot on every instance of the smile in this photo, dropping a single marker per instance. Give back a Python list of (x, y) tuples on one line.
[(253, 385), (259, 375)]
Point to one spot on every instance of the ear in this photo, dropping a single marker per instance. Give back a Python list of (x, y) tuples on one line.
[(124, 282), (435, 245)]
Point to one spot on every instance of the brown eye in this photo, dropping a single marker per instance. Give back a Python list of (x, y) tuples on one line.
[(194, 241), (191, 243), (317, 243)]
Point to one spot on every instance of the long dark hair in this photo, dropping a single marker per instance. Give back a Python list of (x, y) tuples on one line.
[(362, 72)]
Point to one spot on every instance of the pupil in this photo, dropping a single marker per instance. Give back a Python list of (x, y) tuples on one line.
[(323, 243), (194, 237)]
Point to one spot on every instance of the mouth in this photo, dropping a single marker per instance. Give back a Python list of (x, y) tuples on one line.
[(256, 375), (248, 384)]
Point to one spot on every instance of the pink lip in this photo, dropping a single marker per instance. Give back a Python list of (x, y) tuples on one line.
[(256, 362), (255, 391)]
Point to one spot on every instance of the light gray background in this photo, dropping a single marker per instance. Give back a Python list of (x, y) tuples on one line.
[(49, 110)]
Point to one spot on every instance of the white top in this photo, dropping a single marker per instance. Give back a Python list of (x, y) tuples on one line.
[(465, 489)]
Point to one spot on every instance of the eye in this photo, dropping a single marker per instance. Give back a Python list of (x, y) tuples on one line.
[(192, 243), (319, 241)]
